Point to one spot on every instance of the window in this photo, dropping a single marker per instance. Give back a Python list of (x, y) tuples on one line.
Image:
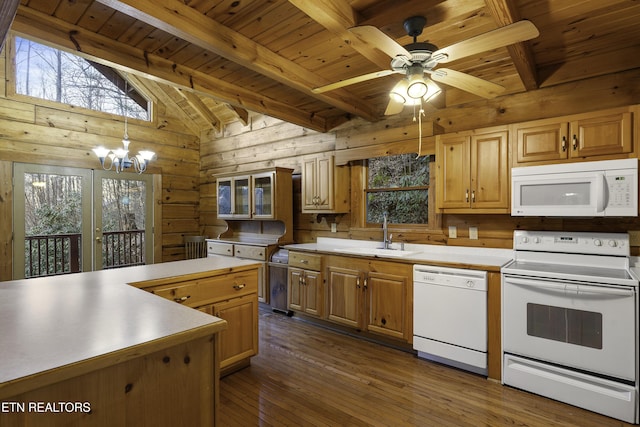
[(398, 185), (51, 74)]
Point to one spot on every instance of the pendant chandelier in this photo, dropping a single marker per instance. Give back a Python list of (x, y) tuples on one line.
[(119, 159)]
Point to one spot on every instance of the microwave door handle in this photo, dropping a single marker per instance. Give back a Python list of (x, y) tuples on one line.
[(600, 192)]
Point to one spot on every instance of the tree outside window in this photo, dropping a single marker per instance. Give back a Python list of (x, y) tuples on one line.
[(398, 185)]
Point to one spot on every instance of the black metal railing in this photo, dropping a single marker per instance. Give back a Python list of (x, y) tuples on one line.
[(122, 248), (51, 255)]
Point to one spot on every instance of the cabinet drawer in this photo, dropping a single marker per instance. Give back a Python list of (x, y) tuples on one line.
[(258, 253), (219, 248), (305, 260), (197, 292)]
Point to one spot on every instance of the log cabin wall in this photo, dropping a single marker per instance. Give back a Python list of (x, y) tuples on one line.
[(266, 142), (39, 132)]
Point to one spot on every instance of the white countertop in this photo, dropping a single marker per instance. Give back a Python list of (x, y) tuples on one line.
[(49, 322), (417, 253)]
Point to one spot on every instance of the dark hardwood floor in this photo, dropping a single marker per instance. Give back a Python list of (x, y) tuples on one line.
[(306, 375)]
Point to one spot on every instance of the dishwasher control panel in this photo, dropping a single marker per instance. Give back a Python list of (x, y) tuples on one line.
[(454, 277)]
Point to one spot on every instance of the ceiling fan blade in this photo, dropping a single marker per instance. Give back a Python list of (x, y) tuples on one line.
[(517, 32), (353, 80), (375, 38), (393, 107), (466, 82)]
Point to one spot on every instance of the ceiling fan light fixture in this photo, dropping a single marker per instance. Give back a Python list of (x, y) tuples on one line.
[(399, 92), (433, 90)]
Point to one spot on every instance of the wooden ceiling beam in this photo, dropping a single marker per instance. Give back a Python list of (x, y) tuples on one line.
[(98, 48), (180, 20), (505, 12), (199, 106)]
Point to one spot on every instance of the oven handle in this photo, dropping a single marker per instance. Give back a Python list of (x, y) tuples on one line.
[(567, 288)]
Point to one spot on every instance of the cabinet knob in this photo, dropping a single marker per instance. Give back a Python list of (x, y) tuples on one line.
[(564, 143), (237, 287), (575, 142), (182, 299)]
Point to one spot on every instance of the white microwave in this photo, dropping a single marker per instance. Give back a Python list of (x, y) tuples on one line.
[(588, 189)]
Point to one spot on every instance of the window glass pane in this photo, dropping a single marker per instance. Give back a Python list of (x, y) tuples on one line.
[(403, 170), (47, 73), (402, 207), (406, 177)]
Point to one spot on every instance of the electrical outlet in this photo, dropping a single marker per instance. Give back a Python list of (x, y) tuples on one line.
[(334, 227), (634, 238), (453, 232), (473, 233)]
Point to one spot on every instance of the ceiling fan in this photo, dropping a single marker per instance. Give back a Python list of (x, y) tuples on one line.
[(420, 58)]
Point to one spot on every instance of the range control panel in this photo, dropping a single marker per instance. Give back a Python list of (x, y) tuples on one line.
[(616, 244)]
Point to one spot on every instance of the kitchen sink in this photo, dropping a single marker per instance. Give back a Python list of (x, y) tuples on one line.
[(381, 252)]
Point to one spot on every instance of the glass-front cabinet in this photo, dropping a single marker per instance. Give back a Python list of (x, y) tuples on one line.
[(234, 197), (261, 195)]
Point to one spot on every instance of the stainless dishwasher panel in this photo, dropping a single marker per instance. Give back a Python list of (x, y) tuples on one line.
[(450, 316)]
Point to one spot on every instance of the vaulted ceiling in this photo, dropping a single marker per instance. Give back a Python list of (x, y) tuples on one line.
[(226, 57)]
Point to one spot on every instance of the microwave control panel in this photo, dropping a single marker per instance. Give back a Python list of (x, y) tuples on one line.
[(621, 188)]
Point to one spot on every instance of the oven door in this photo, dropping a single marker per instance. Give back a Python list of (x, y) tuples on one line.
[(573, 324)]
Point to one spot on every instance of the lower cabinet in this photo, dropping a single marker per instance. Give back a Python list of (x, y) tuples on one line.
[(305, 287), (232, 296), (370, 295), (305, 284), (240, 340)]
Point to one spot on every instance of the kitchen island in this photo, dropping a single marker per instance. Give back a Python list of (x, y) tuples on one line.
[(90, 349)]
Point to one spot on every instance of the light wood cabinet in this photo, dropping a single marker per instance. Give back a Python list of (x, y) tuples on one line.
[(233, 297), (371, 296), (473, 172), (602, 134), (325, 186), (305, 286)]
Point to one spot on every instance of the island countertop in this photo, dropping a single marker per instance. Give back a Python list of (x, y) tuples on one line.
[(52, 326)]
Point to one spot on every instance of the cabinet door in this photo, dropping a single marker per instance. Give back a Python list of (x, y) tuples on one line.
[(296, 275), (453, 169), (345, 288), (490, 171), (542, 141), (324, 183), (601, 135), (241, 197), (263, 195), (387, 305), (312, 283), (240, 340), (309, 178)]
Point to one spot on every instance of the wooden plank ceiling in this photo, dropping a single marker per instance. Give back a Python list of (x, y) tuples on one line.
[(224, 57)]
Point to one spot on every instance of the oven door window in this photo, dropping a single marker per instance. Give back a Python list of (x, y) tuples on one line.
[(580, 327)]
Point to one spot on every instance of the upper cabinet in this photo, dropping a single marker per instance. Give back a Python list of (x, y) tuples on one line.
[(265, 194), (473, 171), (603, 134), (325, 186)]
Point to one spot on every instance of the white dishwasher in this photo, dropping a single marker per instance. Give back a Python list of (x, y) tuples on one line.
[(450, 316)]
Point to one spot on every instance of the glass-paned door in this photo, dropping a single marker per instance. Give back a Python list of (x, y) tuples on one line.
[(122, 219), (52, 234), (64, 224)]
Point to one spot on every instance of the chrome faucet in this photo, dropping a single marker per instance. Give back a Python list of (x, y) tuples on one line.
[(386, 240)]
